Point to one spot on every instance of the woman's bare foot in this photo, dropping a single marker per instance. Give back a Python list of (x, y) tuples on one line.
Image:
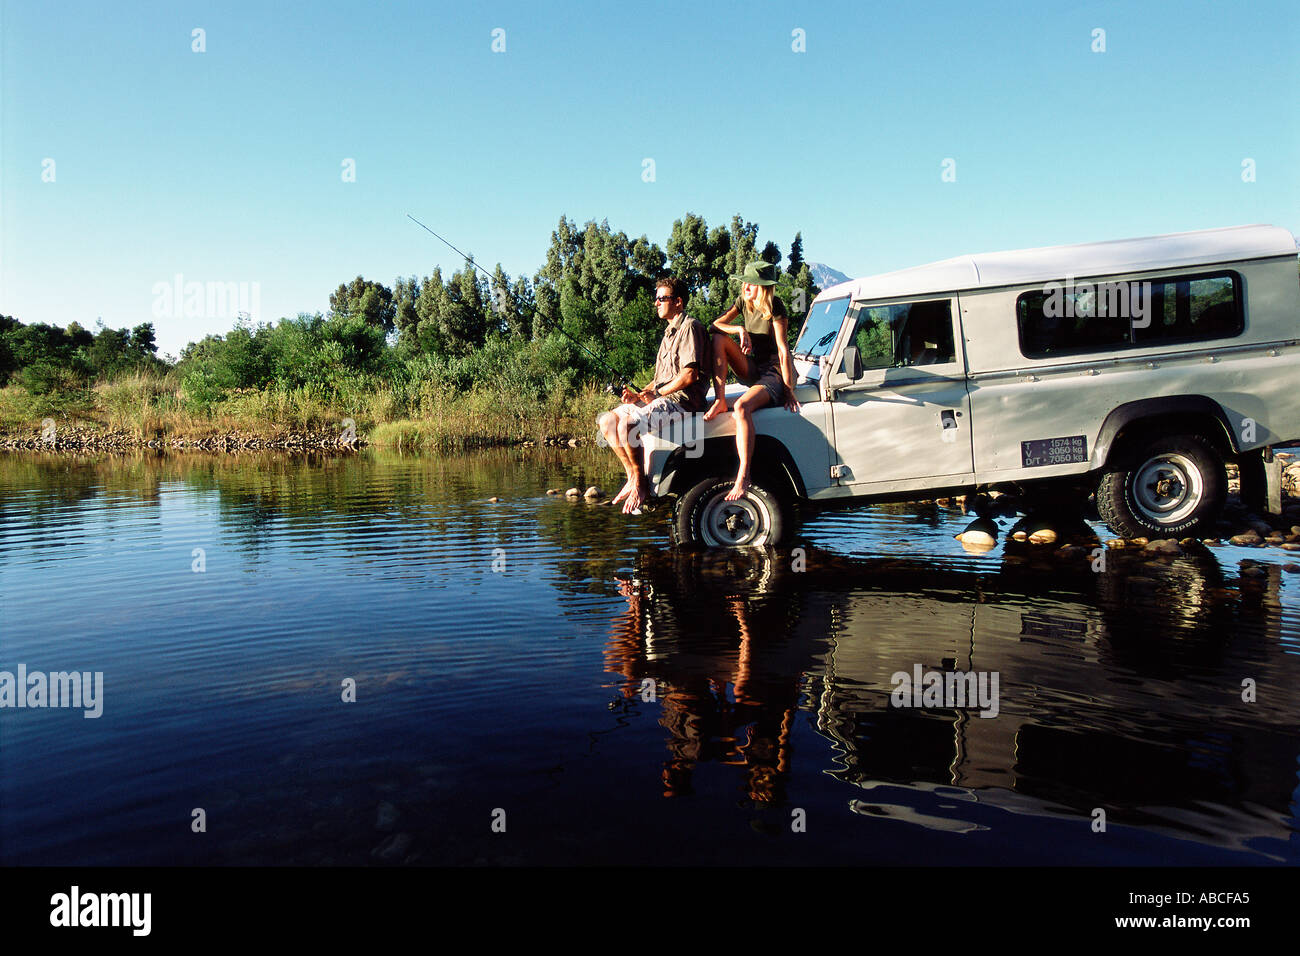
[(739, 488), (717, 408)]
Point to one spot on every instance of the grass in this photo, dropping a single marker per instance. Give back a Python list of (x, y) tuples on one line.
[(419, 418)]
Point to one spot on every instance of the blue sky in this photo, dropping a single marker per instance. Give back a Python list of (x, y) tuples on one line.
[(226, 165)]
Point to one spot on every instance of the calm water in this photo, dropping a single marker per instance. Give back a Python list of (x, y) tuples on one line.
[(555, 668)]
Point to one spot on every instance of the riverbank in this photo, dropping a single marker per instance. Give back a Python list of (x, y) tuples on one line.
[(151, 413)]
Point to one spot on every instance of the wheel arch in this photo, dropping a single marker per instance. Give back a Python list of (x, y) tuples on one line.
[(772, 465), (1134, 422)]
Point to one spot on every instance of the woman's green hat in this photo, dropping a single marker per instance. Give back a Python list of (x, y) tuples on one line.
[(760, 272)]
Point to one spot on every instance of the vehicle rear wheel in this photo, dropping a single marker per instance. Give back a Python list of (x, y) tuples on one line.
[(1172, 486), (703, 516)]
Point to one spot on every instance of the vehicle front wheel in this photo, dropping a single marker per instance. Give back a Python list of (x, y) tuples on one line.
[(1173, 486), (703, 516)]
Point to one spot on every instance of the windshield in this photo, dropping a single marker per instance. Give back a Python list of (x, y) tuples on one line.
[(821, 328)]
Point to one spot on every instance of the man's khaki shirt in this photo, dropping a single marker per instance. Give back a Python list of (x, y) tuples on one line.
[(685, 343)]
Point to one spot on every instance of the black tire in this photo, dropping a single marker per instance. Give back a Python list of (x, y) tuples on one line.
[(1170, 487), (761, 518)]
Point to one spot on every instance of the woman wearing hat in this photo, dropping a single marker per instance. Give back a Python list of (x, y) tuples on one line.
[(760, 360)]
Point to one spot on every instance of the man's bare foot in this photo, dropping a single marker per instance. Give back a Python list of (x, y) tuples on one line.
[(739, 488), (635, 499), (717, 408), (626, 490)]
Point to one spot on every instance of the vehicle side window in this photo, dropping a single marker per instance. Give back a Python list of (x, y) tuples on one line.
[(1085, 316), (905, 334), (1192, 309)]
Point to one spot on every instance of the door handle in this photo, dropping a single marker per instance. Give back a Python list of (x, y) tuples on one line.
[(948, 419)]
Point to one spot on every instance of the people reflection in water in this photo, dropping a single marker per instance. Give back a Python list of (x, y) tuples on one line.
[(724, 697)]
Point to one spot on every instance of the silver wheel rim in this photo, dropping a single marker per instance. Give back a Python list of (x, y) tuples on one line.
[(1167, 489), (730, 524)]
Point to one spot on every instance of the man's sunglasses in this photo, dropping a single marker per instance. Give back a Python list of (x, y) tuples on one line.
[(663, 298)]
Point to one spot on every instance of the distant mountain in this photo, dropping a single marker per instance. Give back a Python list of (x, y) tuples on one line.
[(825, 276)]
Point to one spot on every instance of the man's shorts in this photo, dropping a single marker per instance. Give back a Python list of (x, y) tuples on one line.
[(660, 416), (769, 376)]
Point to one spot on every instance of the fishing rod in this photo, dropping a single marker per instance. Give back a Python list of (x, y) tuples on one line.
[(614, 387)]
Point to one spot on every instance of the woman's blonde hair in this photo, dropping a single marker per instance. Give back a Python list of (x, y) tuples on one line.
[(763, 302)]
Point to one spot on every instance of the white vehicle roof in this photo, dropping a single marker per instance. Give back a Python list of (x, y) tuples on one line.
[(1118, 256)]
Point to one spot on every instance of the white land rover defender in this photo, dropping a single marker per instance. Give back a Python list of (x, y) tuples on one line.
[(1131, 369)]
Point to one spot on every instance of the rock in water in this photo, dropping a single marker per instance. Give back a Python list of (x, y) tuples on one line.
[(1245, 540), (1164, 546), (573, 493), (594, 493), (980, 535), (552, 491), (1043, 536)]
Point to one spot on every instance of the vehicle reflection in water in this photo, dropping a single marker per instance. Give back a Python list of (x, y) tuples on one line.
[(1118, 690)]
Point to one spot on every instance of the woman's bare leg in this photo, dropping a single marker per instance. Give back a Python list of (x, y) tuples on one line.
[(726, 351), (754, 399)]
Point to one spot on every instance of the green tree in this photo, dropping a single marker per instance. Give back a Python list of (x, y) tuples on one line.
[(143, 346), (433, 300), (405, 316), (501, 303), (370, 301), (462, 318), (634, 337), (690, 256), (519, 321), (796, 255), (647, 259), (546, 310), (8, 364), (744, 240), (577, 312), (110, 353)]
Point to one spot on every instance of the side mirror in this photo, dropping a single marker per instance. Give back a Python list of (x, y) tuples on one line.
[(852, 363)]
